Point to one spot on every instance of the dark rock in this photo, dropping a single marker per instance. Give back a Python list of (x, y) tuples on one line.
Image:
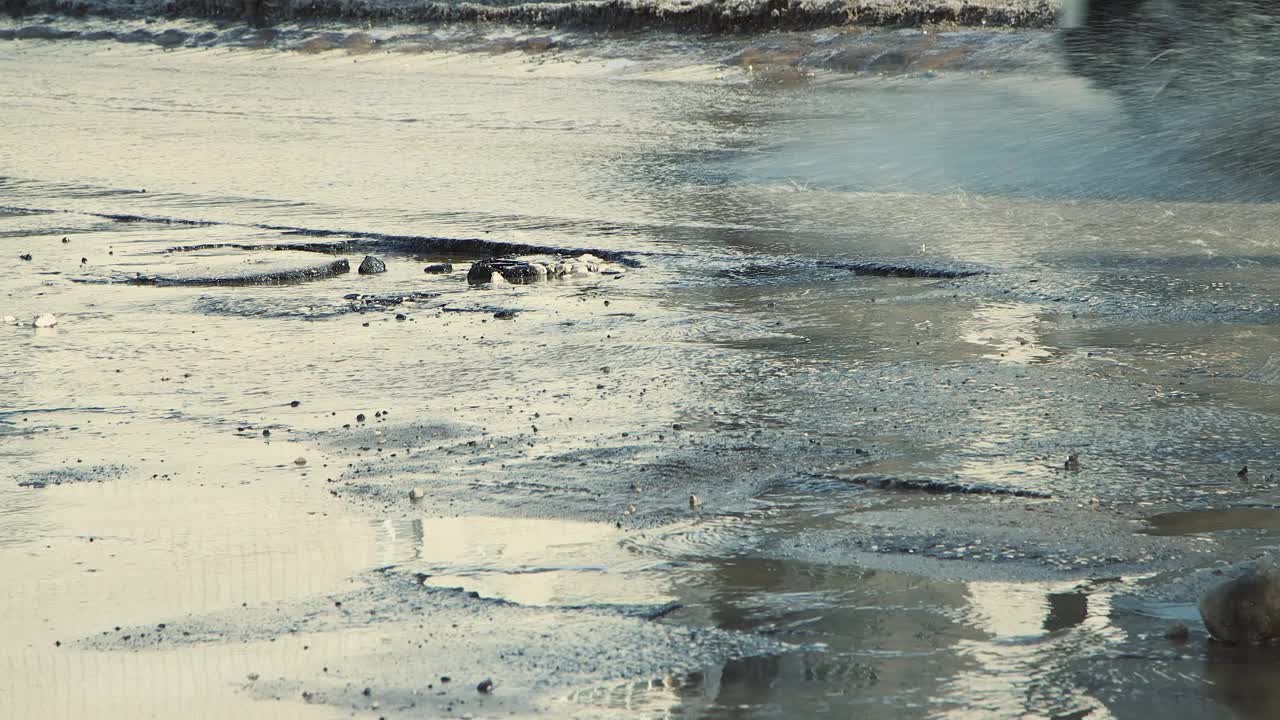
[(360, 417), (485, 686), (1245, 610), (26, 256), (505, 315), (438, 269), (371, 266), (516, 272), (295, 403)]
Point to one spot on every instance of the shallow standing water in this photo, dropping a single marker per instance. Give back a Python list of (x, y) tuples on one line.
[(165, 555)]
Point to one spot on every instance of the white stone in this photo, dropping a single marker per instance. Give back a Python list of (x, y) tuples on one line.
[(46, 320)]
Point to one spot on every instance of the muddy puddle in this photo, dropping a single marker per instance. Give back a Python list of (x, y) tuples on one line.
[(803, 447)]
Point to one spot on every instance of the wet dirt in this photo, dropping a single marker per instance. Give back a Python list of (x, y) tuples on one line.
[(809, 450)]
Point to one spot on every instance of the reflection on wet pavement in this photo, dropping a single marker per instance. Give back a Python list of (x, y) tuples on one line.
[(530, 561)]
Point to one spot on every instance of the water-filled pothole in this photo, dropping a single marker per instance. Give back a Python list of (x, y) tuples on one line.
[(534, 561), (1190, 522)]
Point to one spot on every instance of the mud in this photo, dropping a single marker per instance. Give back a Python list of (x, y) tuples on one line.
[(359, 241), (270, 277), (930, 485), (861, 323), (611, 15)]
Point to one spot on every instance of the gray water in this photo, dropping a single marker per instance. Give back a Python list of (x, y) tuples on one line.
[(1124, 309)]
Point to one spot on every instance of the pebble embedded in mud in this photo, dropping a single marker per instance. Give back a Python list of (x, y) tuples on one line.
[(300, 461), (371, 266)]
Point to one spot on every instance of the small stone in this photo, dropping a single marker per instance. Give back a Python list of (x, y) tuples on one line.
[(694, 502), (1072, 463), (300, 461), (371, 266), (367, 692), (360, 417), (505, 315), (1178, 632), (438, 269), (9, 320), (416, 494), (84, 261), (485, 686), (1243, 474), (25, 256), (631, 509), (45, 320), (266, 433), (445, 679), (401, 316), (295, 403), (252, 677)]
